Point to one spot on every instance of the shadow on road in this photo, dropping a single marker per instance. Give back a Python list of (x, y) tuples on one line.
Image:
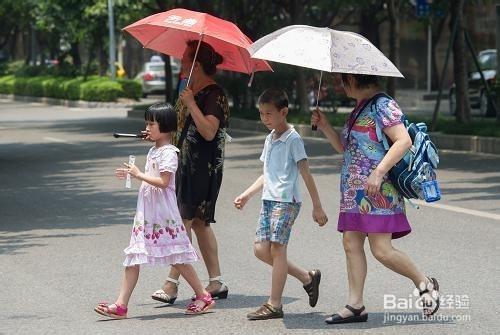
[(71, 185), (60, 185)]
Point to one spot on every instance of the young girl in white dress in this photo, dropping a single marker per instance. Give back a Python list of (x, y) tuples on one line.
[(158, 234)]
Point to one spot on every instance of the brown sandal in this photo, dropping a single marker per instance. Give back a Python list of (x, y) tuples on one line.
[(266, 312), (312, 288)]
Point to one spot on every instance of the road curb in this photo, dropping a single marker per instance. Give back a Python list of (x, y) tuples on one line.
[(473, 144), (67, 103)]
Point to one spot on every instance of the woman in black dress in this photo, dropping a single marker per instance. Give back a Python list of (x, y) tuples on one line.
[(202, 120)]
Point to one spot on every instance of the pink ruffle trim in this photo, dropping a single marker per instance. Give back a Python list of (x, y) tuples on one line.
[(143, 255)]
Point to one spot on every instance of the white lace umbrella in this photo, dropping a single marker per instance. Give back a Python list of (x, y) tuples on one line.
[(323, 49)]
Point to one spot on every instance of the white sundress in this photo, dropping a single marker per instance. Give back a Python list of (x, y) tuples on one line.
[(158, 234)]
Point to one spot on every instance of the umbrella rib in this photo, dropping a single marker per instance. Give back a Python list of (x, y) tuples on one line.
[(242, 57), (155, 38)]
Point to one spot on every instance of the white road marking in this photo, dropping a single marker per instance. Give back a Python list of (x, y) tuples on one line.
[(53, 139), (459, 210)]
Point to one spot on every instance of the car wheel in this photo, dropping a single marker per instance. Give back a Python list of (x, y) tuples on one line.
[(144, 95), (453, 102), (483, 103), (485, 107)]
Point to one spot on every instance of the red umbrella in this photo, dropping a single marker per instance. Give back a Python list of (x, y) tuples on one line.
[(169, 31)]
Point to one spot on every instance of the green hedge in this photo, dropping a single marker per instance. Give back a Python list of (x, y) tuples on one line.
[(7, 84), (131, 88), (94, 88), (445, 124)]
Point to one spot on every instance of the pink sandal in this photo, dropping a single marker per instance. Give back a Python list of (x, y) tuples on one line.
[(194, 309), (116, 312)]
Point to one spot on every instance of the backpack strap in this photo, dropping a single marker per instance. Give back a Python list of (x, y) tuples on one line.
[(371, 101), (380, 135)]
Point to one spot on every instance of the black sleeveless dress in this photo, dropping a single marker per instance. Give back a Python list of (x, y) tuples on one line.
[(199, 175)]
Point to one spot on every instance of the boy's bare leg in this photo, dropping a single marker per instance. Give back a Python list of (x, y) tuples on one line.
[(280, 271), (262, 251)]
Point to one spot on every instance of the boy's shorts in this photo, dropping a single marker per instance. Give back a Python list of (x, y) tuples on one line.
[(276, 221)]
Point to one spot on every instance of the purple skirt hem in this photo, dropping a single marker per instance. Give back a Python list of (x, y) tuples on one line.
[(397, 224)]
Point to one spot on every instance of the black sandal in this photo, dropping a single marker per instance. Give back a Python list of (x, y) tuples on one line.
[(312, 288), (356, 317), (266, 312), (435, 287)]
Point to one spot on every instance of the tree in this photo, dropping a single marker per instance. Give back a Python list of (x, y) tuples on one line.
[(62, 18), (393, 7), (463, 114), (290, 12), (439, 17), (371, 15), (15, 22)]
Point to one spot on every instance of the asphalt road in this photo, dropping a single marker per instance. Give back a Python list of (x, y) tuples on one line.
[(65, 220)]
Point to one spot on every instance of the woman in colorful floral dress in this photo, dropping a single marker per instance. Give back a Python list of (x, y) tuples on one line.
[(203, 114), (370, 205)]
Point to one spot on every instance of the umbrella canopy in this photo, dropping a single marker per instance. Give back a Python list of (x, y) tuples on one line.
[(169, 31), (323, 49)]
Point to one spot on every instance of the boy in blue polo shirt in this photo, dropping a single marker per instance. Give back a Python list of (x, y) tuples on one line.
[(284, 157)]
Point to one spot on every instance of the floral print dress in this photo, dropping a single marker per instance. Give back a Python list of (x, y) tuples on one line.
[(199, 176), (363, 151), (158, 234)]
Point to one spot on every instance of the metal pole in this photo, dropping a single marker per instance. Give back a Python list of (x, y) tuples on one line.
[(112, 45), (429, 55)]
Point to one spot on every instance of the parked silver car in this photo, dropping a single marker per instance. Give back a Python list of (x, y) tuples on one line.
[(487, 60), (152, 76)]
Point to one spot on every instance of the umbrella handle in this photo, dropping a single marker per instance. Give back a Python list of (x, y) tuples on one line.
[(194, 59), (315, 127)]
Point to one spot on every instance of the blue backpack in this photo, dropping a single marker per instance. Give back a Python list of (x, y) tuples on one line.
[(414, 176)]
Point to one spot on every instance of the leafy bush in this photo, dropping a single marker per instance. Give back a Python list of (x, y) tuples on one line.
[(7, 84), (95, 88), (71, 89), (13, 67), (3, 69), (21, 86), (52, 87), (101, 89), (35, 87), (131, 88)]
